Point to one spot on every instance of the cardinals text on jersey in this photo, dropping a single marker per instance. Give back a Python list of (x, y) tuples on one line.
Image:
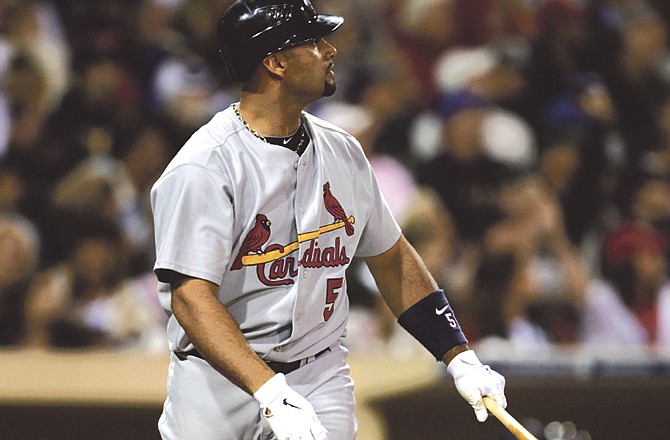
[(274, 264)]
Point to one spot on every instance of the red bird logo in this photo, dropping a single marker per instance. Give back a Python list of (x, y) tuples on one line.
[(256, 238), (335, 209)]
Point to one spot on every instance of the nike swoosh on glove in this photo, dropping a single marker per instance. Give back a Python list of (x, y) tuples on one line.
[(290, 416), (474, 380)]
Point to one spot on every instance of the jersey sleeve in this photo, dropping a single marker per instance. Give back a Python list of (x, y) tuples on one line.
[(193, 217)]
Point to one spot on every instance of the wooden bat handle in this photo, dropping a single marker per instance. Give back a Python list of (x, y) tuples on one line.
[(506, 419)]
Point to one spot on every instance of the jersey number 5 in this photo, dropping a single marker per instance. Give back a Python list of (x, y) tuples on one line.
[(333, 285)]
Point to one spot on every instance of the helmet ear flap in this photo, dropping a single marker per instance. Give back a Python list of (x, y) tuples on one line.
[(250, 30)]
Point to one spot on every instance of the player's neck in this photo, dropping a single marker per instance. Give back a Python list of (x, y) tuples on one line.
[(270, 117)]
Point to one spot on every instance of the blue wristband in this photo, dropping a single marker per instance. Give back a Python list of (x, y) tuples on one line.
[(432, 322)]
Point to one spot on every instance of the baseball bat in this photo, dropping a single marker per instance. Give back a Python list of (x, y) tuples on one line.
[(507, 420)]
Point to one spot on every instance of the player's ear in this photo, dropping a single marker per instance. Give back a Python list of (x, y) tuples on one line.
[(275, 64)]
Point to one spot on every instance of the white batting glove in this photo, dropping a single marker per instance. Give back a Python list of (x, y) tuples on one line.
[(290, 415), (474, 380)]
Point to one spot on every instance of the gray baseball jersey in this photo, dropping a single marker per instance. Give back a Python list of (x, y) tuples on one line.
[(274, 230)]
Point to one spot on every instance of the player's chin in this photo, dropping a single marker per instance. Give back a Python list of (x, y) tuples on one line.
[(329, 88)]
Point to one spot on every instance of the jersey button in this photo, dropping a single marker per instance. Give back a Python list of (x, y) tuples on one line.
[(295, 166)]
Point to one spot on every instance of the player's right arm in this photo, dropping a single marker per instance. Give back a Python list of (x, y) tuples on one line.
[(216, 334)]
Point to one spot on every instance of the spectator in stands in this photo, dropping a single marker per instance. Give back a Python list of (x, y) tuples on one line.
[(12, 189), (557, 53), (24, 85), (631, 305), (86, 301), (65, 300), (464, 177), (530, 280), (656, 161), (424, 29), (113, 186), (19, 253), (32, 29), (635, 71), (580, 155)]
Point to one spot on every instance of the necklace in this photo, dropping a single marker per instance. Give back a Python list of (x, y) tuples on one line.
[(236, 109), (302, 137)]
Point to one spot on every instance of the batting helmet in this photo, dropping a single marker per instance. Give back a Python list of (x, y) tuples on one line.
[(250, 30)]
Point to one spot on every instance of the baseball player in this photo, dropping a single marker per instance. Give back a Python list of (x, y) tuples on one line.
[(257, 218)]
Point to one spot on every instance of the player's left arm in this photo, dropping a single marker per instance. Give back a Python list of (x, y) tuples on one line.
[(424, 311)]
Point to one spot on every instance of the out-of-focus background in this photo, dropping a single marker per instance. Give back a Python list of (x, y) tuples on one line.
[(523, 145)]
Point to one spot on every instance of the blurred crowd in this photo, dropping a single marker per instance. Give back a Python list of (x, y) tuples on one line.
[(523, 145)]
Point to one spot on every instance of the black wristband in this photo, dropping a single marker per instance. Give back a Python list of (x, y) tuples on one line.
[(432, 322)]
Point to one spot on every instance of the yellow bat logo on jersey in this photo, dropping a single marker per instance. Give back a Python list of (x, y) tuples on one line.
[(274, 266)]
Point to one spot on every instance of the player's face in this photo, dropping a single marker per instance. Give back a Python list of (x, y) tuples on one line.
[(311, 69)]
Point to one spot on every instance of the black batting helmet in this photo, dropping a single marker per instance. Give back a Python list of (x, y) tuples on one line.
[(250, 30)]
